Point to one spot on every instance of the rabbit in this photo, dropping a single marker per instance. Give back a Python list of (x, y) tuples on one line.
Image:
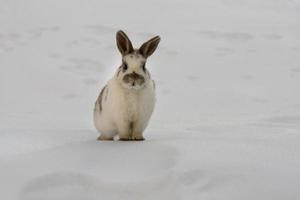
[(125, 104)]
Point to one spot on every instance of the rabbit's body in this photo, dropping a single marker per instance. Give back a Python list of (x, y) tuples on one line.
[(126, 103), (124, 112)]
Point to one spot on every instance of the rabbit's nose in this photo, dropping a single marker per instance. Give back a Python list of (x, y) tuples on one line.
[(134, 78), (135, 75)]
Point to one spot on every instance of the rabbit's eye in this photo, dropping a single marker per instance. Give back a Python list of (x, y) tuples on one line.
[(125, 67), (144, 67)]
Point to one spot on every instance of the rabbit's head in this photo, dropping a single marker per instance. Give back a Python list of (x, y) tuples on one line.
[(133, 73)]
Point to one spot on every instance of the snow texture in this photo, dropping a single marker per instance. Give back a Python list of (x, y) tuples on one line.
[(227, 120)]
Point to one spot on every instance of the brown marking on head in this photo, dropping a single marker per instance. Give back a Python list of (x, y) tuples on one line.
[(133, 73), (137, 53), (124, 66)]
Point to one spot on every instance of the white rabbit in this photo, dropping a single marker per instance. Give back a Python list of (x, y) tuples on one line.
[(126, 103)]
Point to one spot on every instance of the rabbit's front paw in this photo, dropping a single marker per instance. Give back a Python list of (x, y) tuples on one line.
[(124, 139), (132, 138), (138, 137)]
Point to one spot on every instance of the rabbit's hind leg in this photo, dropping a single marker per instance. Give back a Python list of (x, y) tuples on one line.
[(105, 137), (108, 135)]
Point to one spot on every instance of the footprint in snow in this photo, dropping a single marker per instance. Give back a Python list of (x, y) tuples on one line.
[(146, 34), (54, 55), (224, 51), (100, 29), (296, 49), (295, 70), (284, 120), (247, 77), (260, 100), (81, 65), (202, 181), (36, 33), (172, 52), (72, 43), (227, 36), (90, 81), (105, 170), (193, 78), (10, 41), (91, 41), (272, 36), (70, 96)]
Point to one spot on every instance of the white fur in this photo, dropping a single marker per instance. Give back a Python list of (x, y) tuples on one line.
[(123, 104)]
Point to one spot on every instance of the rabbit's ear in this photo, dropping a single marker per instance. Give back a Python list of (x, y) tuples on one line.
[(149, 47), (123, 43)]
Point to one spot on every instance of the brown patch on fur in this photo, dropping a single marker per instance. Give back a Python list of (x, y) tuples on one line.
[(135, 53), (106, 94), (100, 98)]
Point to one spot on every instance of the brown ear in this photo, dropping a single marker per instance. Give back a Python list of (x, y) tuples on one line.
[(149, 47), (123, 43)]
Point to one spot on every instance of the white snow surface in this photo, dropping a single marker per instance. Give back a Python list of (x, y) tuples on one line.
[(227, 120)]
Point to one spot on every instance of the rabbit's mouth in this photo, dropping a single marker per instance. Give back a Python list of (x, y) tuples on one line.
[(134, 80)]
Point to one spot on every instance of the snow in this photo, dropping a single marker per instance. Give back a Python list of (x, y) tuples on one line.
[(227, 120)]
